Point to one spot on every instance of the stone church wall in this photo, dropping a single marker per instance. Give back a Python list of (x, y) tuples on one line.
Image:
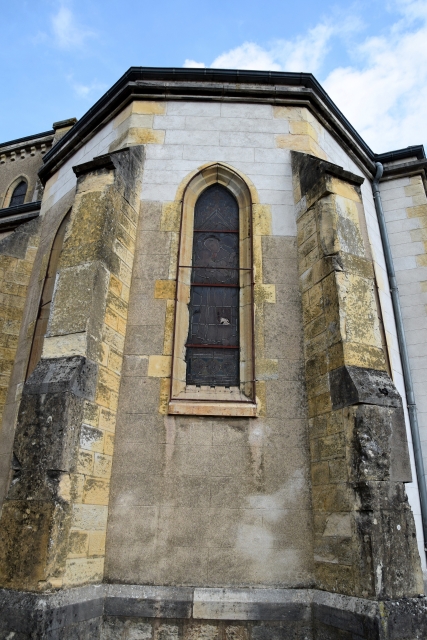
[(131, 494)]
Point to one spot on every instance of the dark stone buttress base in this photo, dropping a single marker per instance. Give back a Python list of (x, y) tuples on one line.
[(127, 612)]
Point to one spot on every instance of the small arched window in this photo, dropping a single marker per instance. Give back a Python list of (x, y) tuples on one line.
[(18, 195), (46, 297)]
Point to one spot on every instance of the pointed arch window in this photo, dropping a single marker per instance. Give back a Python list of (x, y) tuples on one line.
[(213, 345), (18, 195), (213, 339)]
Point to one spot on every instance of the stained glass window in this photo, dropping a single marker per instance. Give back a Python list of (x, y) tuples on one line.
[(18, 195), (212, 349)]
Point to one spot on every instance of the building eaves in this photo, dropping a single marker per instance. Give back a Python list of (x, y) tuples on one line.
[(37, 137), (273, 87), (12, 217)]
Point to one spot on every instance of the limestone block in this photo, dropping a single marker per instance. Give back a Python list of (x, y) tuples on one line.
[(91, 439), (96, 491), (301, 127), (166, 632), (354, 385), (261, 220), (109, 444), (83, 571), (165, 289), (78, 544), (234, 632), (159, 366), (264, 293), (79, 289), (96, 543), (85, 462), (88, 517), (29, 525), (202, 632), (171, 216), (297, 142), (417, 211)]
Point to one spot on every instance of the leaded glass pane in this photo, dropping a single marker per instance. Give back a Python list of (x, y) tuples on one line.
[(18, 195), (214, 317), (213, 338), (218, 256), (216, 210), (218, 367)]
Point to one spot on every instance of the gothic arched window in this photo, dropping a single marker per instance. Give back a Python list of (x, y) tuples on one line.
[(18, 195), (213, 367), (213, 338)]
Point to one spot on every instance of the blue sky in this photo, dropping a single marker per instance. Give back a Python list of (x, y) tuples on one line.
[(58, 58)]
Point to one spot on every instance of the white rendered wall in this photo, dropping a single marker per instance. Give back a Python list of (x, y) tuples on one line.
[(402, 198), (65, 179)]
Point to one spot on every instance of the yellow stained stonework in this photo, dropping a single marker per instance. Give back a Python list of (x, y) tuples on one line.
[(304, 131), (102, 416), (14, 279), (134, 124), (418, 210), (86, 490), (165, 289), (159, 366)]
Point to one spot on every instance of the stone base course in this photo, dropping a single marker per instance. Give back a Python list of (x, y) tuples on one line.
[(134, 612)]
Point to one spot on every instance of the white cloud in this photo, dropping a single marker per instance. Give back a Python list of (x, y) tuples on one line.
[(384, 96), (68, 34), (304, 53), (87, 91), (248, 56), (192, 64), (383, 93)]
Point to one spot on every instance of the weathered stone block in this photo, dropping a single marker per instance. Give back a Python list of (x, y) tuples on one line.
[(355, 385)]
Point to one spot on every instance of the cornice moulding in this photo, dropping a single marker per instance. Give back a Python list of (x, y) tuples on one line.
[(277, 88)]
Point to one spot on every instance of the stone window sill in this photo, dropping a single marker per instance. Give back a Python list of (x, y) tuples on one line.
[(206, 408)]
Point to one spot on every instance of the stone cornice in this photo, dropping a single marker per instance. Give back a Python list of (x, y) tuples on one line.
[(27, 141), (278, 88), (11, 217), (405, 169)]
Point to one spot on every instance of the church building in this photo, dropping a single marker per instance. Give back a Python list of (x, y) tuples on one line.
[(213, 369)]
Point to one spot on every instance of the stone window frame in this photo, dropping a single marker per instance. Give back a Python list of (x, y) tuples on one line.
[(11, 188), (184, 399)]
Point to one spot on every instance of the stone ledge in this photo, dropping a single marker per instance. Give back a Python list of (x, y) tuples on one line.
[(148, 602), (34, 613), (206, 408), (45, 615), (252, 604)]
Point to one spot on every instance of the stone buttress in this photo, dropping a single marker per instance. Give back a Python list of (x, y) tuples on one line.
[(365, 542), (52, 528)]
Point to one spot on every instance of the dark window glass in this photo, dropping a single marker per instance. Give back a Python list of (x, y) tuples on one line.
[(18, 195), (213, 338)]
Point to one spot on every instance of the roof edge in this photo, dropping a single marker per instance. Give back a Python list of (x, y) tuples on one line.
[(36, 136), (162, 83)]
